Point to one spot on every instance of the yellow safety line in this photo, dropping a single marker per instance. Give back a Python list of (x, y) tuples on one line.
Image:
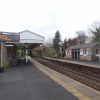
[(58, 80)]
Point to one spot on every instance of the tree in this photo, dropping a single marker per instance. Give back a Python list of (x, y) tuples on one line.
[(49, 43), (95, 32), (70, 42), (81, 37), (56, 41), (65, 44)]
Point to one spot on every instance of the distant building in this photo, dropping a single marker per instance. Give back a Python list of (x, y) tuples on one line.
[(88, 51)]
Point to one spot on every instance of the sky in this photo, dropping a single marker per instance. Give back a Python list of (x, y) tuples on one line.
[(45, 17)]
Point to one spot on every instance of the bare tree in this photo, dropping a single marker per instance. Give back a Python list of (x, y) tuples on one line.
[(70, 42), (95, 31), (81, 37), (49, 42)]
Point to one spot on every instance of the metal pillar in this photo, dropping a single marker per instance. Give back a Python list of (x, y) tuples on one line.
[(77, 54), (74, 54), (26, 55)]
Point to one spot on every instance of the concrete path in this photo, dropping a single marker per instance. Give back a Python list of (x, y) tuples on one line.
[(29, 83)]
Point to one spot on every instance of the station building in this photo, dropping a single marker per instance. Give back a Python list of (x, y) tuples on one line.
[(17, 46), (88, 51)]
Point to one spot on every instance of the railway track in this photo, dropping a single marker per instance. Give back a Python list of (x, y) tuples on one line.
[(89, 78)]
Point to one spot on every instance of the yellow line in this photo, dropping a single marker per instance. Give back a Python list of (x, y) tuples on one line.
[(65, 85)]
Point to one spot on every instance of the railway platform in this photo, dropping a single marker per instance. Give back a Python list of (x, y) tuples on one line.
[(79, 90), (86, 63), (27, 82), (38, 82)]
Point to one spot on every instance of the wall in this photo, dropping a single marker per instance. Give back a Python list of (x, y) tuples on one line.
[(85, 56), (69, 54), (5, 56)]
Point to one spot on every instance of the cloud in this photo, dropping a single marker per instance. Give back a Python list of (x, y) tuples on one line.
[(46, 16)]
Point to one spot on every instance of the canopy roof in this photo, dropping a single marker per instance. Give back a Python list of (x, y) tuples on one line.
[(30, 37), (22, 37), (87, 45)]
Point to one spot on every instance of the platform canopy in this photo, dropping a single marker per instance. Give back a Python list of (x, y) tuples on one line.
[(30, 37), (22, 38)]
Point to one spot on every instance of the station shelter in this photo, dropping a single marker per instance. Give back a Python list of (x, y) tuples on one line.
[(15, 46), (87, 51)]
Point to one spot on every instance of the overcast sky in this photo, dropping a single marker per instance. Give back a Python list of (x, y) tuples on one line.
[(46, 16)]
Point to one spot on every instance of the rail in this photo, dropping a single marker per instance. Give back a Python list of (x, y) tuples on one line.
[(85, 74)]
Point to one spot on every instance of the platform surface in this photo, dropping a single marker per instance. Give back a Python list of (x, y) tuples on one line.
[(86, 63), (79, 90), (30, 83)]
